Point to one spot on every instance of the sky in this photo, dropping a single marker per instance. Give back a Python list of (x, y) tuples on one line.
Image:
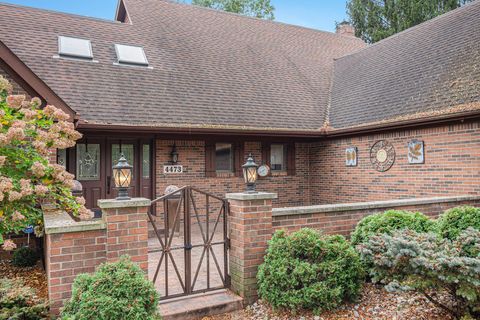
[(316, 14)]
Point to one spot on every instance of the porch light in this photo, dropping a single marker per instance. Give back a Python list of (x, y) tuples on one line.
[(250, 173), (174, 154), (122, 176)]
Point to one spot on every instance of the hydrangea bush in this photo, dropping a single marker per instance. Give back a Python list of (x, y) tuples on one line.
[(407, 260), (27, 179), (308, 270)]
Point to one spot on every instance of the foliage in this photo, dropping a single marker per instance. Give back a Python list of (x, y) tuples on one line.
[(25, 257), (389, 221), (27, 134), (18, 302), (253, 8), (115, 291), (375, 20), (451, 223), (408, 260), (307, 270)]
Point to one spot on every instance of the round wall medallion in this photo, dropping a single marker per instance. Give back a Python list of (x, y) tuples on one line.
[(263, 170), (382, 155)]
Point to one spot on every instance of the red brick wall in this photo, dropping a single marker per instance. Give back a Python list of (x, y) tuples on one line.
[(68, 255), (344, 222), (452, 166), (292, 190)]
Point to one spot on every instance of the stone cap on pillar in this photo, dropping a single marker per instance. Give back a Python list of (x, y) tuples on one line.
[(116, 204), (251, 196)]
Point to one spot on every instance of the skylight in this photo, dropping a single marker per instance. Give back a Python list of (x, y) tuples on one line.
[(74, 47), (131, 55)]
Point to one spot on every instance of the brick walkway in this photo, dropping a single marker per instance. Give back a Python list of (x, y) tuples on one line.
[(174, 285)]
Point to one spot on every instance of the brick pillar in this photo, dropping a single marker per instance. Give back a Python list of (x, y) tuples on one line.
[(250, 229), (127, 229)]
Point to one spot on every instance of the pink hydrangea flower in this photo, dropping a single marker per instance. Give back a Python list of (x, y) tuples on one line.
[(41, 190), (38, 169), (80, 200), (9, 245), (2, 160), (15, 101), (17, 216), (14, 196)]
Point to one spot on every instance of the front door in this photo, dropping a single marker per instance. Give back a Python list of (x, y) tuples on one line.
[(92, 162)]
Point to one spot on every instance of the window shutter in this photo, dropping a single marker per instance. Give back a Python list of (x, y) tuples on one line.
[(210, 159), (291, 159), (238, 158)]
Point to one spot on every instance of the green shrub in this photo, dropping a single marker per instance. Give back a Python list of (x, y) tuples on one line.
[(407, 260), (389, 221), (19, 302), (451, 223), (115, 291), (25, 257), (306, 270)]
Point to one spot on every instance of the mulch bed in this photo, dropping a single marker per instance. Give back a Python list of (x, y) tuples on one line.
[(375, 303), (33, 277)]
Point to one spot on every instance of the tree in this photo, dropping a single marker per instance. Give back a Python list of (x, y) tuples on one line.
[(253, 8), (375, 20), (27, 179)]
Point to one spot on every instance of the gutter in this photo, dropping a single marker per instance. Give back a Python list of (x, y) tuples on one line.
[(379, 127)]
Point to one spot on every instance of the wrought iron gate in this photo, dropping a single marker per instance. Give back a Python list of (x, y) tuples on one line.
[(193, 233)]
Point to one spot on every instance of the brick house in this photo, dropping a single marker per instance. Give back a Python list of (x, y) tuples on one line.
[(216, 86)]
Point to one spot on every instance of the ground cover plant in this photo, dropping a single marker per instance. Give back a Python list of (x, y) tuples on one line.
[(25, 257), (308, 270), (426, 263), (115, 291), (19, 302), (389, 221), (28, 133)]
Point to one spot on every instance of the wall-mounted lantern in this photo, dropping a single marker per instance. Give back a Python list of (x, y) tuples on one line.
[(122, 176), (174, 155), (250, 174)]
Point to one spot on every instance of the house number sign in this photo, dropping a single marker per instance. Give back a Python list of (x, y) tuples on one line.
[(173, 168), (382, 155)]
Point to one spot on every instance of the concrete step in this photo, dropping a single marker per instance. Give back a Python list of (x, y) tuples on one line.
[(197, 306)]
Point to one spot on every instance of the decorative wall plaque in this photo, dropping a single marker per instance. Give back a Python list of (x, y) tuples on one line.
[(351, 155), (382, 155), (416, 152), (263, 170)]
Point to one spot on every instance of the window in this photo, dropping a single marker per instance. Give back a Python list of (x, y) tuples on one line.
[(75, 47), (62, 157), (146, 161), (131, 55), (88, 161), (278, 157), (223, 157)]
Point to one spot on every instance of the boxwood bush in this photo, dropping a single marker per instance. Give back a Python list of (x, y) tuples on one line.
[(115, 291), (451, 223), (307, 270), (389, 221)]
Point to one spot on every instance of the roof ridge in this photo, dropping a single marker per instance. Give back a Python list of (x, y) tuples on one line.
[(427, 22), (75, 15), (217, 11)]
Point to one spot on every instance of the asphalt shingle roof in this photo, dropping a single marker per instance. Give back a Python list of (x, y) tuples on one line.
[(209, 67), (219, 70)]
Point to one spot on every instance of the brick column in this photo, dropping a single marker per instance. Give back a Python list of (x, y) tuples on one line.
[(250, 229), (127, 230)]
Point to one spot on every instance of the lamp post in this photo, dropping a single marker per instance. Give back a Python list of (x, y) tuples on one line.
[(250, 174), (122, 176)]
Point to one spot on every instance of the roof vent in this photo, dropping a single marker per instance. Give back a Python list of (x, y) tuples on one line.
[(131, 55), (75, 48)]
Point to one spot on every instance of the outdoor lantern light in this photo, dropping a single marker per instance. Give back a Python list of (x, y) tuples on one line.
[(250, 174), (122, 176), (174, 154)]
